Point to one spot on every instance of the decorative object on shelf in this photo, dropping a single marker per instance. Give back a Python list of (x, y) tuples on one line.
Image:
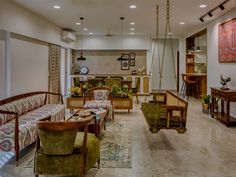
[(141, 70), (206, 101), (227, 52), (76, 92), (132, 59), (124, 64), (198, 49), (81, 40), (84, 70), (224, 82)]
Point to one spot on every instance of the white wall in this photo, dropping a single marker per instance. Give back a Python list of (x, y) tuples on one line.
[(14, 18), (168, 80), (2, 65), (29, 66), (114, 43)]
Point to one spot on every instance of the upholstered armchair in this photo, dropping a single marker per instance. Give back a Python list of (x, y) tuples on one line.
[(62, 150), (99, 97)]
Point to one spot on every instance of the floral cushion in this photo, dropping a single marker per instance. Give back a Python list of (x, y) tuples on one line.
[(27, 126), (101, 94)]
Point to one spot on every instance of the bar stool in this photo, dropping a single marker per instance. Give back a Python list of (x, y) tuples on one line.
[(189, 87)]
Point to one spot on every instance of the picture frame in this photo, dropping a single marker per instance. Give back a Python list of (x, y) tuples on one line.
[(126, 56), (132, 59), (125, 65), (226, 51)]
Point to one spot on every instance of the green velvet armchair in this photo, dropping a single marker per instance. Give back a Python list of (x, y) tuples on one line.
[(64, 151)]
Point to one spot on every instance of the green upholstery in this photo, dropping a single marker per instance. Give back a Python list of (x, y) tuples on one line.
[(156, 116), (53, 143), (62, 165)]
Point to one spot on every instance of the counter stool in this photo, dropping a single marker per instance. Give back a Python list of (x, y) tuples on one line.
[(189, 87)]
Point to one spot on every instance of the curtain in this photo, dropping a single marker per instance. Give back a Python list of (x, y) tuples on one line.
[(54, 72)]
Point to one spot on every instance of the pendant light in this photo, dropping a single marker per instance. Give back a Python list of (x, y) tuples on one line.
[(198, 49), (81, 40), (121, 39)]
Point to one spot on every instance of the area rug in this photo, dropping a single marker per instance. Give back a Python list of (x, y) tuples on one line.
[(116, 146)]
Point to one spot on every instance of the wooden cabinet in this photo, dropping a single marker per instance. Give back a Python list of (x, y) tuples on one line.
[(189, 63), (225, 97)]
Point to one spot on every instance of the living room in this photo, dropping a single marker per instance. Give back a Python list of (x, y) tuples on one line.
[(71, 47)]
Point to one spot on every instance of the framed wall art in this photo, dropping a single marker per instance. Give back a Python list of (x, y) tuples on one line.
[(124, 64), (227, 42), (132, 59)]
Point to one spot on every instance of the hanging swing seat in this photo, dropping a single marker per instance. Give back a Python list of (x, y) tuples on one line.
[(166, 111)]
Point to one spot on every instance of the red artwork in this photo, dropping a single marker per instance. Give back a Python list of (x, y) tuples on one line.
[(227, 42)]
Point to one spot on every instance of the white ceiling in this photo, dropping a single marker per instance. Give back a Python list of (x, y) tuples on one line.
[(103, 16)]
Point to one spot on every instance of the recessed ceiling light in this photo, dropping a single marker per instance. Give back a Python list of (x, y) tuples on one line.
[(132, 6), (90, 33), (85, 29), (56, 7), (203, 6), (181, 23), (132, 29), (78, 23), (132, 23), (132, 33), (170, 33)]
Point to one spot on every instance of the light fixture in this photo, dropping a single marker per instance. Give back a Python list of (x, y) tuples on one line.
[(181, 23), (132, 23), (198, 49), (90, 33), (203, 6), (78, 23), (81, 41), (170, 33), (85, 29), (221, 6), (56, 7), (133, 6), (132, 29), (201, 19), (121, 39), (132, 33), (210, 14)]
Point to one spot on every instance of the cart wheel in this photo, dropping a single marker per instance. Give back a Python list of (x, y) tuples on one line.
[(181, 130), (154, 129)]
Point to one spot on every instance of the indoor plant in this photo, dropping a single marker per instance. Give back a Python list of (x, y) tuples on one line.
[(75, 92), (206, 100)]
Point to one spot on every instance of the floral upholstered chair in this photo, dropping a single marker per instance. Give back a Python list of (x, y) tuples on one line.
[(99, 97), (62, 150)]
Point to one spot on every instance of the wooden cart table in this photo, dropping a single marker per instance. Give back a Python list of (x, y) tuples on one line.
[(100, 118)]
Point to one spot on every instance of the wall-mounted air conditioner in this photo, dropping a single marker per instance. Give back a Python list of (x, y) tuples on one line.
[(68, 36)]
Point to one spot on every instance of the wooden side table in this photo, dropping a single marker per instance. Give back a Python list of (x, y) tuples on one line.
[(224, 96)]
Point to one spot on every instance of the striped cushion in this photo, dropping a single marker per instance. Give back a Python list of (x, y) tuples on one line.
[(6, 117)]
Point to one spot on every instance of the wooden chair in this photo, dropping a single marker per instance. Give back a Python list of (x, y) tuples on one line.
[(99, 97), (62, 150), (190, 87), (135, 90)]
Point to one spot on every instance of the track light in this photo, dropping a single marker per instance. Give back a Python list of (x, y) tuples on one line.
[(201, 19), (210, 14), (221, 7)]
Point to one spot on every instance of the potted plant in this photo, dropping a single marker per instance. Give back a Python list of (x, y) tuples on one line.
[(206, 100), (76, 92)]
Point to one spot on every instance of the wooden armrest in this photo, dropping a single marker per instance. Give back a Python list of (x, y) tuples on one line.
[(58, 94)]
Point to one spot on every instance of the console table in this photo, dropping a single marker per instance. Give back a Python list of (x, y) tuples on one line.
[(224, 96)]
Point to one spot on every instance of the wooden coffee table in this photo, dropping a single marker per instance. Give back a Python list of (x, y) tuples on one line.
[(100, 118)]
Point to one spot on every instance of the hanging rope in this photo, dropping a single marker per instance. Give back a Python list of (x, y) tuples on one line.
[(156, 43), (167, 32)]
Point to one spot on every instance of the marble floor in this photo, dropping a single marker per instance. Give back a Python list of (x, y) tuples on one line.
[(207, 149)]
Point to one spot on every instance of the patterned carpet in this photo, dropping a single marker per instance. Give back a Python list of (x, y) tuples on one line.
[(116, 146)]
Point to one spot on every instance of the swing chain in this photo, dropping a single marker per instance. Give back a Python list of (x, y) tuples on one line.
[(168, 10)]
